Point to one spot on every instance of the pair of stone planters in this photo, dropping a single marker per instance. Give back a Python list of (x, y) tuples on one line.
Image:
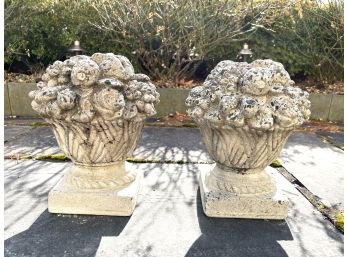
[(97, 105)]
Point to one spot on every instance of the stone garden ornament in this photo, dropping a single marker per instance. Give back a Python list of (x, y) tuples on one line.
[(96, 107), (245, 113)]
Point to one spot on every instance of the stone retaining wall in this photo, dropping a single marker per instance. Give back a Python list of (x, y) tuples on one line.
[(326, 107)]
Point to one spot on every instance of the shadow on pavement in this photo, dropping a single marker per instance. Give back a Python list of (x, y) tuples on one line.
[(238, 237), (171, 144), (67, 235)]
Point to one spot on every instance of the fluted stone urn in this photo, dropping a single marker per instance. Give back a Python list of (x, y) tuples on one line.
[(96, 107), (245, 113)]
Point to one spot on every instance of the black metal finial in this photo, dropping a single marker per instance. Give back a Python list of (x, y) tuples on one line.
[(75, 49), (245, 53)]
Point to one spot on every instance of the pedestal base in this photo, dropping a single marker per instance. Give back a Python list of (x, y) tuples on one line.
[(223, 204), (69, 198)]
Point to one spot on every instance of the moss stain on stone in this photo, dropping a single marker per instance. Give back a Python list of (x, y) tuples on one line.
[(54, 157), (339, 221), (276, 164), (39, 124)]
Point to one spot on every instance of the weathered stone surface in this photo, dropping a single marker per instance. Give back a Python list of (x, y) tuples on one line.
[(245, 200), (96, 107), (168, 220), (259, 95), (106, 190), (245, 113)]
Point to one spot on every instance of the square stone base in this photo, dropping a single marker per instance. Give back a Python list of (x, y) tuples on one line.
[(112, 202), (229, 205)]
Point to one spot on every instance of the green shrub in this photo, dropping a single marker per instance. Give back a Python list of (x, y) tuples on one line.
[(41, 31), (169, 40), (166, 39), (306, 37)]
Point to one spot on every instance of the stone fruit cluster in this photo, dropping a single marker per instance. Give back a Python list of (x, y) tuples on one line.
[(259, 95), (84, 89)]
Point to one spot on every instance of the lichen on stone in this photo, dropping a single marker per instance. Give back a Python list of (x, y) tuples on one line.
[(84, 88), (339, 221), (259, 95)]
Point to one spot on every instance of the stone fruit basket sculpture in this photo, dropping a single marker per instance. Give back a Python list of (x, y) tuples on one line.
[(96, 107), (245, 113)]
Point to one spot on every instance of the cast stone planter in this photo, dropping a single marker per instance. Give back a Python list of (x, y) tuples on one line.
[(96, 107), (245, 113)]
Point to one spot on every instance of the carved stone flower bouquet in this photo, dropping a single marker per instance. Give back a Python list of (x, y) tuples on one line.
[(96, 107), (245, 113)]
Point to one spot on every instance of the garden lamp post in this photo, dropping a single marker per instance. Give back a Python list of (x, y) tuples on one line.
[(245, 53), (75, 49)]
